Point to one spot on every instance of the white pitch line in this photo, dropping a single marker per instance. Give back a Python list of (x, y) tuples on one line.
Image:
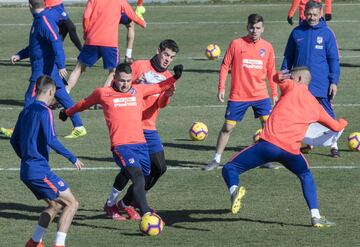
[(339, 167), (191, 106), (188, 23)]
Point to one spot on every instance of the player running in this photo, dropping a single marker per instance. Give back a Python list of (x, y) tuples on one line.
[(122, 104), (301, 5), (149, 72), (62, 19), (280, 141), (32, 139), (100, 23), (47, 57), (251, 60)]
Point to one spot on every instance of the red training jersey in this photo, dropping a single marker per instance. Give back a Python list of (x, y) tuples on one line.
[(52, 3), (289, 120), (122, 111), (144, 73), (101, 21), (251, 62), (301, 4)]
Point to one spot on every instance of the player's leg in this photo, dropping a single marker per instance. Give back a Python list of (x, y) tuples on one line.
[(262, 110), (88, 56), (110, 56), (71, 29), (157, 158), (326, 104), (70, 206), (248, 158), (234, 113), (130, 36), (298, 165), (63, 31), (63, 97)]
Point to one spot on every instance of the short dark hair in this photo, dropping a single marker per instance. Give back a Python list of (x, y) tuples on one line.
[(43, 84), (313, 5), (255, 18), (36, 4), (123, 67), (170, 44)]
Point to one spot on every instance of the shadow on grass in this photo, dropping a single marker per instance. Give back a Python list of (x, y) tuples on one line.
[(202, 71), (313, 152), (349, 65), (11, 102), (349, 49), (198, 147)]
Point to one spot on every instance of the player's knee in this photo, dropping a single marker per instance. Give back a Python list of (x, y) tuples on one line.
[(263, 119), (228, 127)]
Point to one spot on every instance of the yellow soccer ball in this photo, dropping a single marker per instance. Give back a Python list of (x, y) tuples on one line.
[(354, 141), (151, 224), (212, 51), (198, 131)]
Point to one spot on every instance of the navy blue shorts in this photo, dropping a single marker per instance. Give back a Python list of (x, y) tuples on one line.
[(90, 54), (133, 155), (58, 12), (326, 104), (153, 141), (235, 110), (124, 19), (47, 188)]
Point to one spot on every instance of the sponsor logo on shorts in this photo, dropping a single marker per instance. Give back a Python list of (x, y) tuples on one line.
[(61, 183)]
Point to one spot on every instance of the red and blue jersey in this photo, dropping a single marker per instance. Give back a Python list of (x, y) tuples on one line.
[(45, 48), (33, 136)]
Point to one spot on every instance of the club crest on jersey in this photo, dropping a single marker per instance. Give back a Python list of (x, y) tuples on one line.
[(132, 91), (262, 52), (319, 40), (131, 160)]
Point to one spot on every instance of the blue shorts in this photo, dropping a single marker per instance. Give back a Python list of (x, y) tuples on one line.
[(124, 19), (47, 188), (90, 54), (236, 110), (133, 155), (153, 141), (326, 104), (58, 13)]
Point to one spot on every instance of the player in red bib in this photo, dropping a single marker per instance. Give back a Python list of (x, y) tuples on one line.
[(281, 139), (301, 5), (122, 104)]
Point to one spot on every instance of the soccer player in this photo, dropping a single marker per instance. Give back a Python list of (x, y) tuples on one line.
[(130, 27), (47, 57), (100, 23), (313, 44), (301, 5), (281, 139), (149, 72), (33, 136), (251, 60), (62, 19), (122, 104)]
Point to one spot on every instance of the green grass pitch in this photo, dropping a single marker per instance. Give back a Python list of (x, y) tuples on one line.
[(194, 204)]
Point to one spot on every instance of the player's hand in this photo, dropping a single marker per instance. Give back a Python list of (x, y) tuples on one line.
[(78, 164), (221, 96), (63, 73), (275, 99), (327, 17), (290, 20), (178, 69), (343, 122), (332, 91), (14, 59), (62, 115)]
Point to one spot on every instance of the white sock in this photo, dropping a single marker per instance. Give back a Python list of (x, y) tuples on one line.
[(60, 238), (38, 233), (233, 188), (128, 53), (112, 197), (315, 213), (217, 157), (79, 127), (334, 145)]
